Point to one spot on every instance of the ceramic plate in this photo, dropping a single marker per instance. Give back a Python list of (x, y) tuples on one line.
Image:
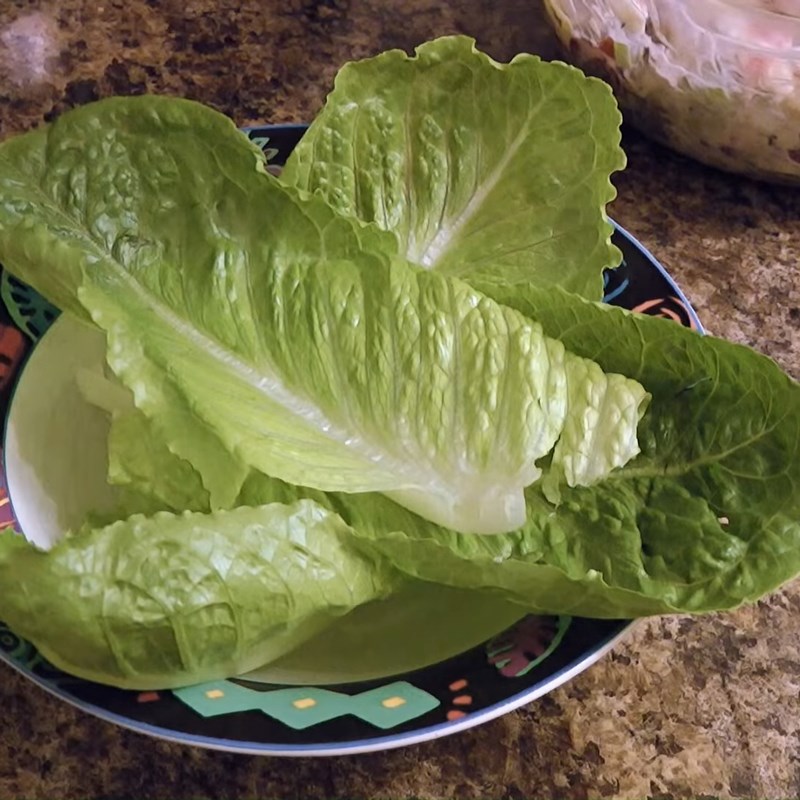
[(371, 691)]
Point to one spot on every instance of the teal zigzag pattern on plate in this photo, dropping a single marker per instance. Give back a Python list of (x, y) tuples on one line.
[(301, 707), (30, 312)]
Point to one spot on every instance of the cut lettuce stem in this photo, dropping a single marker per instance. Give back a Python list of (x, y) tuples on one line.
[(481, 511)]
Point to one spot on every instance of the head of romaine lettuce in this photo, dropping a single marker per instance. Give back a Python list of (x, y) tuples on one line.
[(280, 349)]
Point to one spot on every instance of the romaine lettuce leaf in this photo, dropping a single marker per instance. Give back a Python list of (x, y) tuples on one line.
[(172, 600), (361, 645), (705, 518), (153, 477), (253, 322), (479, 169), (139, 459)]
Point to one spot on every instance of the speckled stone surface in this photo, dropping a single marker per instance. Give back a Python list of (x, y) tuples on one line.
[(685, 707)]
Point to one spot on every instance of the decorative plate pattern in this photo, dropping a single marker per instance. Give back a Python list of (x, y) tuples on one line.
[(511, 669)]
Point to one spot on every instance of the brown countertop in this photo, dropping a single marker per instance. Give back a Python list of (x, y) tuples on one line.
[(685, 707)]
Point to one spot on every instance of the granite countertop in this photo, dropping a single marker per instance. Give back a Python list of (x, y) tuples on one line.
[(684, 707)]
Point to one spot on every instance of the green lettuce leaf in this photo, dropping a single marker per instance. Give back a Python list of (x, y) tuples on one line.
[(172, 600), (705, 518), (375, 640), (140, 459), (479, 169), (257, 328), (689, 526)]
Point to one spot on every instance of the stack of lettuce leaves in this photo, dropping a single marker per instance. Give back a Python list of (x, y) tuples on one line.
[(390, 365)]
